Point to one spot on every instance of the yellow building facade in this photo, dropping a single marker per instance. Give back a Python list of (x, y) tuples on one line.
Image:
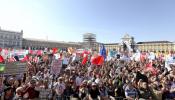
[(152, 46), (112, 46), (156, 46)]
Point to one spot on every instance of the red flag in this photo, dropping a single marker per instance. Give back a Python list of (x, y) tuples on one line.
[(84, 60), (85, 52), (99, 60), (54, 50), (142, 57), (1, 59)]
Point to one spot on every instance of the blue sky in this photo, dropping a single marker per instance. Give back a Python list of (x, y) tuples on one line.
[(67, 20)]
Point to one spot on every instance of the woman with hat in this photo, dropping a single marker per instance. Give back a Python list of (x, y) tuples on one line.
[(94, 93)]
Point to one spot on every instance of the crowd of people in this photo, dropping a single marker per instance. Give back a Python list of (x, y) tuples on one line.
[(115, 79)]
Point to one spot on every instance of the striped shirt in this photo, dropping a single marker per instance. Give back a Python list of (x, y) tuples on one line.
[(44, 93), (131, 92)]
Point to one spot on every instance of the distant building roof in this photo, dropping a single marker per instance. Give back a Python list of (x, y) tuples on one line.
[(110, 43), (154, 42), (89, 34), (8, 31), (43, 40)]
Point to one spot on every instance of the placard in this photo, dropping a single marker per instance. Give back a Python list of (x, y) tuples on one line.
[(56, 66), (16, 68)]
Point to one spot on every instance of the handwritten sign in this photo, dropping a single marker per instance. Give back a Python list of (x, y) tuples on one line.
[(15, 68), (56, 66)]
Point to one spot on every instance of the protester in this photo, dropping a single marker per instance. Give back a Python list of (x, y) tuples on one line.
[(94, 93), (101, 79), (59, 88), (29, 91)]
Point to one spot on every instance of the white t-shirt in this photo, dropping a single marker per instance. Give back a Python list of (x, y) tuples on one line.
[(59, 88), (97, 80)]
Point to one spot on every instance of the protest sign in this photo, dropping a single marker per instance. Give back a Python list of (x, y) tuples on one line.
[(15, 68), (56, 66), (169, 61)]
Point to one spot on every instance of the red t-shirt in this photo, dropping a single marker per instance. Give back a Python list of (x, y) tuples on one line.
[(32, 93)]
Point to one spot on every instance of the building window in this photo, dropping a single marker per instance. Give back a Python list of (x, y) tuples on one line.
[(10, 42), (14, 43), (1, 36), (14, 37), (18, 37), (5, 43), (17, 44)]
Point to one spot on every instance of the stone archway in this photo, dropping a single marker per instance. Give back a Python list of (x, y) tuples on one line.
[(128, 43)]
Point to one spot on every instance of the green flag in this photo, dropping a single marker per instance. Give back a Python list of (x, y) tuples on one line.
[(2, 67)]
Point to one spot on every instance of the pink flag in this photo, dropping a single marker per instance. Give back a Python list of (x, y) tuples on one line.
[(6, 51), (39, 52), (12, 59), (150, 68), (26, 58)]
